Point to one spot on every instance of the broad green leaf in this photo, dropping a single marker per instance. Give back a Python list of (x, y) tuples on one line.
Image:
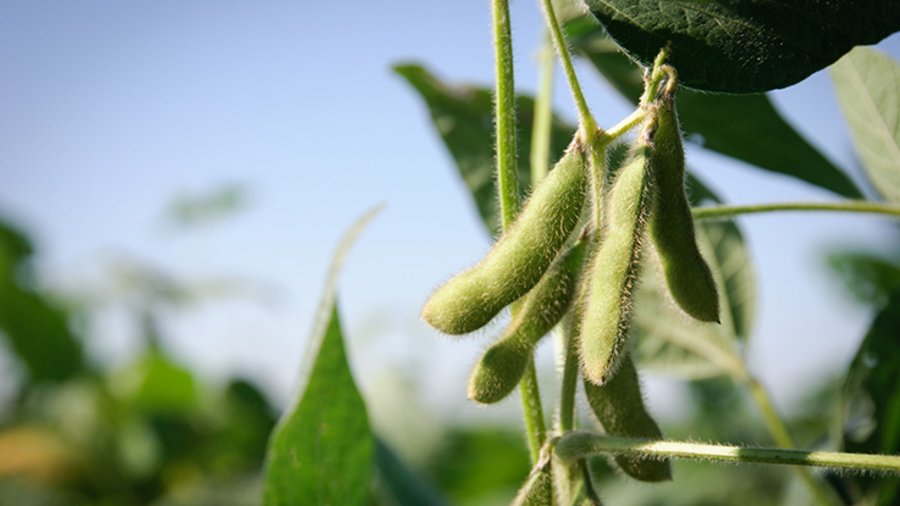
[(744, 127), (464, 118), (868, 88), (742, 46), (872, 399), (35, 326), (404, 486), (671, 342), (322, 450)]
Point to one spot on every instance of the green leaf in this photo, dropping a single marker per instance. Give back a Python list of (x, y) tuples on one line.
[(322, 450), (157, 385), (464, 118), (35, 326), (872, 398), (744, 127), (404, 486), (669, 341), (868, 88), (742, 46)]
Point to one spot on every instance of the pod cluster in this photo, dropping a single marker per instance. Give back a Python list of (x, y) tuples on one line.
[(646, 199), (548, 271), (534, 263)]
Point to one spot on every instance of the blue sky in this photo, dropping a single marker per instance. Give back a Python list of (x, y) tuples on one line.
[(108, 110)]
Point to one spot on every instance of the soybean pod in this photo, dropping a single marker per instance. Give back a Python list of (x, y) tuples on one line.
[(519, 258), (619, 406), (606, 312), (671, 224), (502, 365)]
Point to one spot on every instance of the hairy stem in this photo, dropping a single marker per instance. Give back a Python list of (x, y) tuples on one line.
[(779, 432), (588, 125), (579, 445), (848, 206), (609, 136), (586, 119), (535, 429), (569, 385), (505, 114), (508, 192)]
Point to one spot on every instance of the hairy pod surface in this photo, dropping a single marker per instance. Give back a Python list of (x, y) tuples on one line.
[(502, 365), (619, 405), (519, 258), (606, 313), (687, 274)]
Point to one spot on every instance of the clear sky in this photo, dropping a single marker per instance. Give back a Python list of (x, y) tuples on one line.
[(108, 110)]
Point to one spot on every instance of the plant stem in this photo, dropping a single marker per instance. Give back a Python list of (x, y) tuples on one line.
[(609, 136), (848, 206), (588, 125), (505, 114), (656, 74), (579, 445), (773, 421), (508, 193), (535, 429), (779, 432), (569, 385), (543, 114), (569, 476), (586, 119)]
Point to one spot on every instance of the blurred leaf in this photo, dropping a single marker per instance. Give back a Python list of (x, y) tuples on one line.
[(745, 46), (669, 341), (209, 207), (872, 399), (404, 486), (702, 484), (157, 385), (248, 420), (15, 248), (36, 328), (477, 463), (322, 450), (464, 118), (868, 88), (869, 277), (744, 127), (39, 334)]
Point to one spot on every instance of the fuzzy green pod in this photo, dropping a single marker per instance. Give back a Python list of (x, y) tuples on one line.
[(606, 311), (671, 225), (519, 258), (619, 405), (502, 365)]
